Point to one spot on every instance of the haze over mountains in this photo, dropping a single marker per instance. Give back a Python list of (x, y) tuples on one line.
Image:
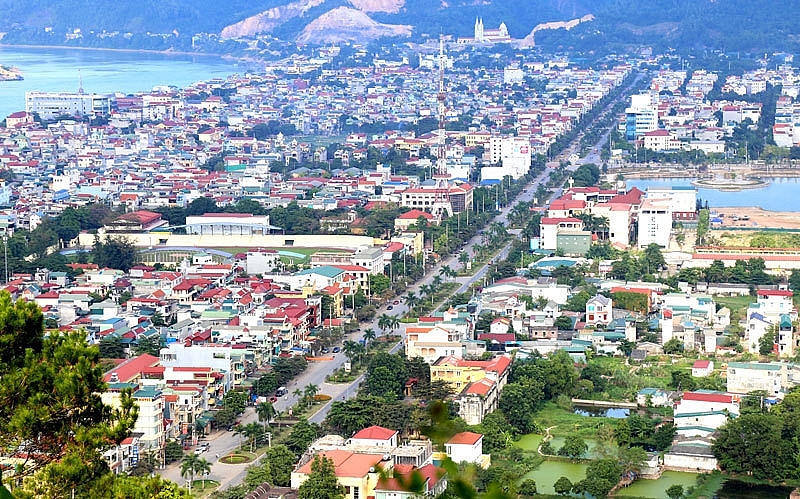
[(730, 25)]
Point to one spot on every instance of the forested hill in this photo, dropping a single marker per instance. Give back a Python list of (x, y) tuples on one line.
[(729, 25)]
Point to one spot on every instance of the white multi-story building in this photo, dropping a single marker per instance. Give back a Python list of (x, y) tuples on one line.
[(641, 117), (49, 105), (701, 413), (550, 227), (513, 153), (228, 224), (746, 377), (682, 199), (655, 223)]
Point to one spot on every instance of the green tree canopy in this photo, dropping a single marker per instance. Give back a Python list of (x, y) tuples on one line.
[(50, 403), (321, 482)]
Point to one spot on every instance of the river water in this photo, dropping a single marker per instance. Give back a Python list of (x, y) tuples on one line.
[(102, 71), (779, 195)]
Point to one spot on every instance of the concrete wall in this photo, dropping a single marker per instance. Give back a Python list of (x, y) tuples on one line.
[(255, 241)]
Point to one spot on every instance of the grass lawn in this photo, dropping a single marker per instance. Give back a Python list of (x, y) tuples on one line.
[(303, 251), (567, 423), (734, 303)]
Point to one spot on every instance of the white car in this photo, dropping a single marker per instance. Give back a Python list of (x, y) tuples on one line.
[(200, 449)]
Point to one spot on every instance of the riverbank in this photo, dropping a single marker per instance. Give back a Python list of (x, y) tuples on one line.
[(168, 52), (101, 49), (10, 73)]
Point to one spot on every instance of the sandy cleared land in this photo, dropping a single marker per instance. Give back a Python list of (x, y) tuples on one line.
[(758, 218)]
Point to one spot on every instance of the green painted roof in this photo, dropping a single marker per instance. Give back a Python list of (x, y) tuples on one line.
[(761, 366), (147, 392), (328, 271)]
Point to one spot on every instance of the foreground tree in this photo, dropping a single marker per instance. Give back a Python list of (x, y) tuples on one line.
[(50, 404), (321, 482)]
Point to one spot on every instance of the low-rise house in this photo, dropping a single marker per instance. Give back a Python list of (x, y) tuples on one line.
[(598, 310), (397, 486), (467, 447), (702, 368), (654, 397), (700, 413), (357, 473)]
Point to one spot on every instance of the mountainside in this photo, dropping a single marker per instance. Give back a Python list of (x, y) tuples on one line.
[(748, 25)]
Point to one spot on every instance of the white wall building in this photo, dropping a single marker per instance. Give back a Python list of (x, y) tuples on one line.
[(655, 223)]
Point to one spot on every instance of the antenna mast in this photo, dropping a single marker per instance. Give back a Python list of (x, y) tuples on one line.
[(441, 203)]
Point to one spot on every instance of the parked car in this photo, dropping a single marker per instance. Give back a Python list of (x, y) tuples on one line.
[(325, 350), (336, 349), (397, 302), (200, 449), (389, 307)]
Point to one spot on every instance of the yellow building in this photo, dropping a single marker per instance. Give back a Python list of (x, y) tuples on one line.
[(413, 241), (460, 373), (357, 473)]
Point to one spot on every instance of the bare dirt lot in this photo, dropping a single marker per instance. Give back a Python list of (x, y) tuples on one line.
[(756, 218)]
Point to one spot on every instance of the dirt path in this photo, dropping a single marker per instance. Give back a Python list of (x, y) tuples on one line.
[(547, 436)]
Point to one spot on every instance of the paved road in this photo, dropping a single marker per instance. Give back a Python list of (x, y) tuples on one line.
[(222, 442)]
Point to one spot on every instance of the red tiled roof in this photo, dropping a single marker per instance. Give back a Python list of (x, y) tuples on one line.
[(375, 433), (465, 438), (708, 397), (774, 292), (129, 369), (481, 387), (415, 214), (556, 221), (701, 364)]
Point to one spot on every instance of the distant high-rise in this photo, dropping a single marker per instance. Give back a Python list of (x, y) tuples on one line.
[(641, 117)]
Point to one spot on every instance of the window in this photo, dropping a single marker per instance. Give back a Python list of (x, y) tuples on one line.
[(355, 492)]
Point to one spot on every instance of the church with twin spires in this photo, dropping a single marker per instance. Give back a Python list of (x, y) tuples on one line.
[(487, 35)]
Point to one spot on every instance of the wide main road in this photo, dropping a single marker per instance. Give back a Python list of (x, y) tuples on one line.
[(222, 442)]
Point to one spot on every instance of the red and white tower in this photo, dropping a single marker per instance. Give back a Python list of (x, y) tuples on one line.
[(441, 203)]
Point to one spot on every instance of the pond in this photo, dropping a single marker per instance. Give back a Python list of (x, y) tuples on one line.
[(734, 489), (558, 442), (656, 488), (547, 473), (529, 442), (601, 412)]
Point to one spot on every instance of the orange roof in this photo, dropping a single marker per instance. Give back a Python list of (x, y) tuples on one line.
[(131, 368), (481, 387), (415, 214), (375, 433), (465, 438), (346, 463)]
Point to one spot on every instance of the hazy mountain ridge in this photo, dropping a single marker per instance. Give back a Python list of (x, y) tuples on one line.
[(757, 25)]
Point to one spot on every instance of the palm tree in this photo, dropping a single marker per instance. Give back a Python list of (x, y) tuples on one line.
[(309, 392), (369, 335), (463, 258), (428, 290), (298, 393), (191, 464), (436, 282), (412, 300), (384, 322), (252, 431), (265, 412), (350, 349), (445, 271)]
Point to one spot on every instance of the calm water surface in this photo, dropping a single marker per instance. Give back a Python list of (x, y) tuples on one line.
[(782, 193), (60, 70)]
